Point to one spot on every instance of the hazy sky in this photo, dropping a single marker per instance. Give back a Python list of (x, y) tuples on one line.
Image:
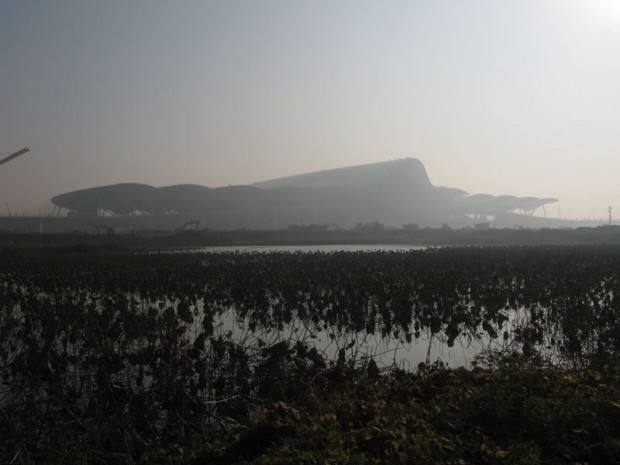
[(514, 97)]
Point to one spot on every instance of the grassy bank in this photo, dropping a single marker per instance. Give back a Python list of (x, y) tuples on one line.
[(513, 413), (149, 240)]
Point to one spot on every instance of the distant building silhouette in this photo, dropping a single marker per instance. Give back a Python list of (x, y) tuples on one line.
[(390, 193)]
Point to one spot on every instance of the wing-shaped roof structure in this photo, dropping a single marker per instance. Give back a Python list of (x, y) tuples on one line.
[(394, 192)]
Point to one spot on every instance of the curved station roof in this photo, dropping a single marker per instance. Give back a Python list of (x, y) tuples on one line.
[(393, 192)]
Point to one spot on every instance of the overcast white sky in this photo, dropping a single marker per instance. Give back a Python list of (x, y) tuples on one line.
[(501, 97)]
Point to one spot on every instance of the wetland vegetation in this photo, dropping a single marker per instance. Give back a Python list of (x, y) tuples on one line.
[(115, 356)]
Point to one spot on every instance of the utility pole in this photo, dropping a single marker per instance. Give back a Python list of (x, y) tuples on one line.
[(609, 210), (14, 155)]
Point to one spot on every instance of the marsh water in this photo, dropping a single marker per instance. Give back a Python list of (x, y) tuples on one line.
[(312, 248), (222, 316), (385, 351)]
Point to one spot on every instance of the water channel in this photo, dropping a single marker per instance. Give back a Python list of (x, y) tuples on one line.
[(327, 248)]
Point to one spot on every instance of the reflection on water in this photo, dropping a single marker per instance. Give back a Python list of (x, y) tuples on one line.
[(386, 351)]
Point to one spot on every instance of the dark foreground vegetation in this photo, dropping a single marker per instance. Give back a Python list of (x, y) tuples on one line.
[(118, 357)]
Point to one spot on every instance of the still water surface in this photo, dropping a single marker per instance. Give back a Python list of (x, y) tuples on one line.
[(384, 351), (313, 248)]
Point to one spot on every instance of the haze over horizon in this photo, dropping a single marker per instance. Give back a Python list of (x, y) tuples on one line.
[(506, 98)]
